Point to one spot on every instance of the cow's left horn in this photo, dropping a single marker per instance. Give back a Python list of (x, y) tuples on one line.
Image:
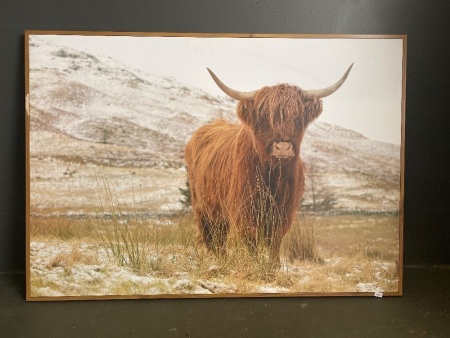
[(235, 94), (321, 93)]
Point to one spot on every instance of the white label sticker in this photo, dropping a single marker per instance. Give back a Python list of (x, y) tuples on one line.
[(378, 294)]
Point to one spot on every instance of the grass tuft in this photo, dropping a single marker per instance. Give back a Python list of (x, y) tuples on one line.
[(300, 244)]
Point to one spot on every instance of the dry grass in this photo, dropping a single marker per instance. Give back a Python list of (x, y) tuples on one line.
[(60, 227), (367, 237), (348, 252), (68, 259), (319, 253), (301, 241)]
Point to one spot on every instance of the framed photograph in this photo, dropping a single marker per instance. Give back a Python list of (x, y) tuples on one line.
[(164, 165)]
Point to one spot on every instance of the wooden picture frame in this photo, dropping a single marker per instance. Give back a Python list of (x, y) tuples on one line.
[(108, 117)]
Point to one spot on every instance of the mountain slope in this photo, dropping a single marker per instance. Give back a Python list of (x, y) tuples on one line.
[(91, 109)]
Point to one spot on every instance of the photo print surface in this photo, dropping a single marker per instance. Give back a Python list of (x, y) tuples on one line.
[(213, 166)]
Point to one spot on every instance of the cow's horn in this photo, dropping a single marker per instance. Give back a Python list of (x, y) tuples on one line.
[(237, 95), (321, 93)]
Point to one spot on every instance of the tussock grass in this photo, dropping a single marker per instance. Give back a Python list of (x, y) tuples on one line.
[(124, 236), (74, 256), (301, 241)]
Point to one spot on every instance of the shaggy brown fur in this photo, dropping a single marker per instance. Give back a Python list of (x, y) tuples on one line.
[(235, 179)]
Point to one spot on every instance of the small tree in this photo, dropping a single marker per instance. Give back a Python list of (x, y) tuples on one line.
[(186, 192)]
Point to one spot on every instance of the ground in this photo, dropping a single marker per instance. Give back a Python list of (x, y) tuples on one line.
[(73, 257)]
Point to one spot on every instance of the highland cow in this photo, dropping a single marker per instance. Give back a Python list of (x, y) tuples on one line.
[(250, 175)]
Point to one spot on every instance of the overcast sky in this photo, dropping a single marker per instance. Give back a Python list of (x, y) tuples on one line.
[(369, 102)]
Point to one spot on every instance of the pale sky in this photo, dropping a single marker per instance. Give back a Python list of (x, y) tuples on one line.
[(369, 102)]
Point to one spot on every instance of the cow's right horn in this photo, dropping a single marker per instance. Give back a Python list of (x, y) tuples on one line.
[(235, 94)]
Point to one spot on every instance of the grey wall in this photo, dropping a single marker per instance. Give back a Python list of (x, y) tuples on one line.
[(427, 207)]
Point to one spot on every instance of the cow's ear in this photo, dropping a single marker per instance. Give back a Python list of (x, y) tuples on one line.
[(312, 108), (245, 112)]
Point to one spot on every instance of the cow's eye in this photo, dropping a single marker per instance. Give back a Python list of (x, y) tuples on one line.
[(262, 125), (298, 122)]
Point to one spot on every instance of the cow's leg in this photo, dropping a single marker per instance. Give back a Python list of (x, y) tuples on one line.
[(214, 234), (251, 242), (275, 253), (272, 243), (274, 247)]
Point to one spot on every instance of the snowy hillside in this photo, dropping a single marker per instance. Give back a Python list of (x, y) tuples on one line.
[(89, 111)]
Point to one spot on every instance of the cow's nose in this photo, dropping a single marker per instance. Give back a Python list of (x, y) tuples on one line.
[(283, 146), (282, 150)]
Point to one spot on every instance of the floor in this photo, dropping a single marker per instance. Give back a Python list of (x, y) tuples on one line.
[(422, 311)]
